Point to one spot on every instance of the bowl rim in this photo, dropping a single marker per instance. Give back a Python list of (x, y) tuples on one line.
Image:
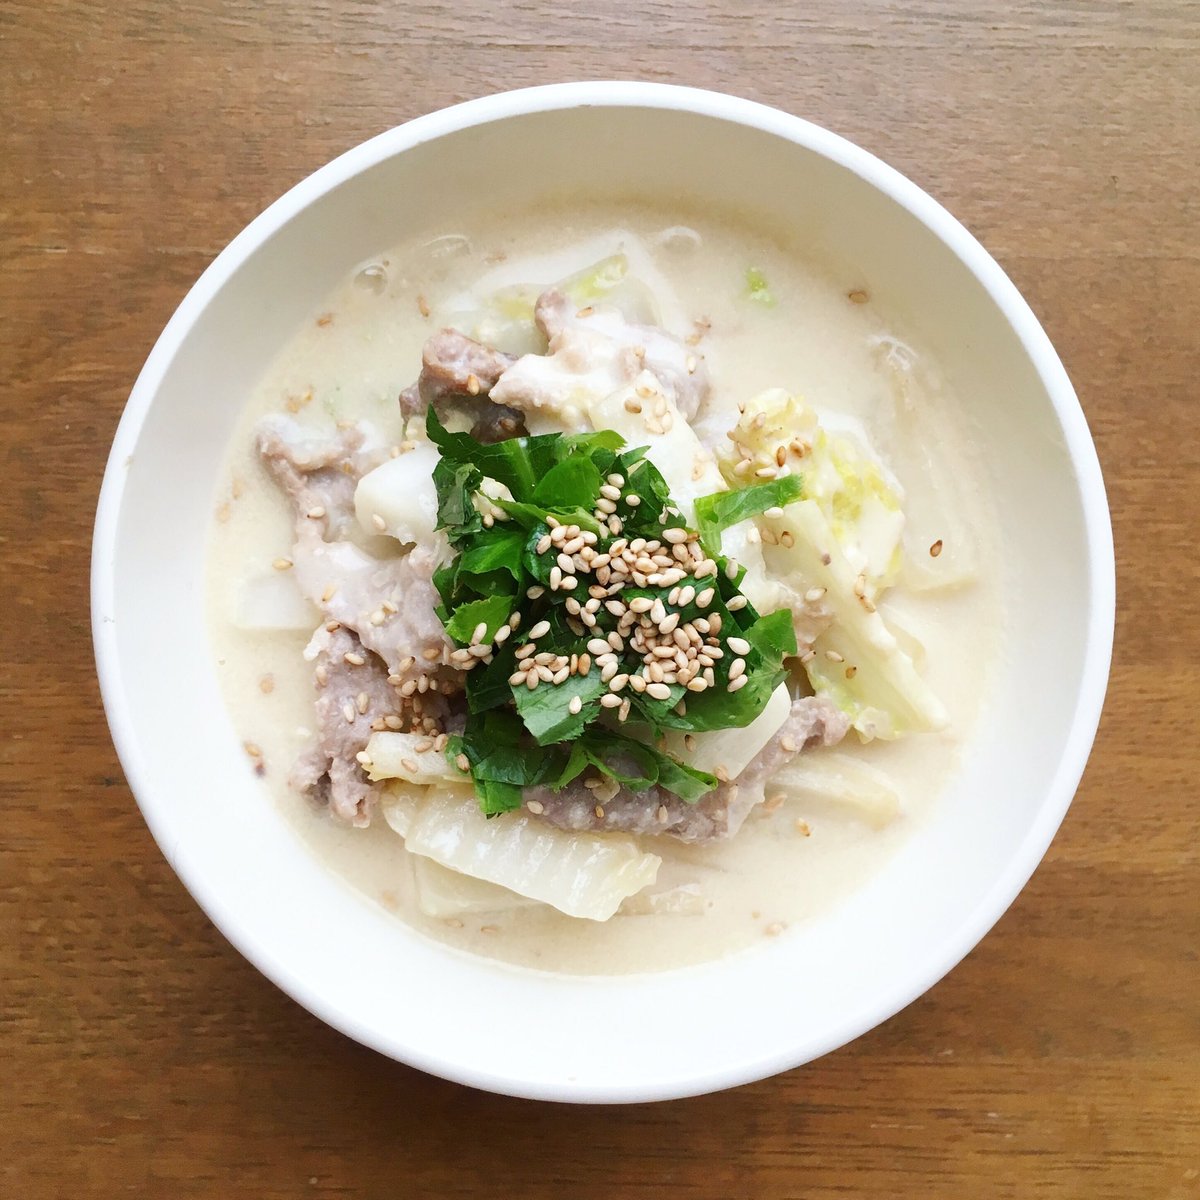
[(713, 105)]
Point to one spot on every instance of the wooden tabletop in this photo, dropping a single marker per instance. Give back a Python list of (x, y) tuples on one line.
[(142, 1056)]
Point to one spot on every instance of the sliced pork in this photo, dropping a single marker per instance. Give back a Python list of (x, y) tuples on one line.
[(720, 814)]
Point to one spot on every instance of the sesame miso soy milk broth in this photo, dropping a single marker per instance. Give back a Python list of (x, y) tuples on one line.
[(376, 578)]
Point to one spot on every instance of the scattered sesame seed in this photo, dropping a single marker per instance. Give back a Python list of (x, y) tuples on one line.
[(575, 706), (834, 656), (935, 549), (282, 564), (737, 683)]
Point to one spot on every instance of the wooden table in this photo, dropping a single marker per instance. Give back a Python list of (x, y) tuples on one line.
[(142, 1056)]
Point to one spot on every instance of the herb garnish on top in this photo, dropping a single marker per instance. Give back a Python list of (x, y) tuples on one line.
[(590, 618)]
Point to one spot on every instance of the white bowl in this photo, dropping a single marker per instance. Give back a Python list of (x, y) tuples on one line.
[(640, 1037)]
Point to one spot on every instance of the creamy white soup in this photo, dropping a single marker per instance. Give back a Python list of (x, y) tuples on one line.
[(760, 319)]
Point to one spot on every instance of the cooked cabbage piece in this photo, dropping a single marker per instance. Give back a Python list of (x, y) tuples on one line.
[(732, 749), (581, 874), (936, 510), (841, 475), (396, 756), (856, 661), (445, 893), (840, 781), (505, 320)]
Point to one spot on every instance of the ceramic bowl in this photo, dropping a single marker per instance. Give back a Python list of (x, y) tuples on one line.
[(650, 1036)]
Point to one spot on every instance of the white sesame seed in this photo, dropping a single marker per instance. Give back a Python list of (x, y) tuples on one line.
[(282, 564), (536, 807), (378, 521), (738, 645), (575, 706), (659, 691), (736, 602), (610, 700), (814, 594), (555, 578), (834, 656), (543, 543), (737, 669)]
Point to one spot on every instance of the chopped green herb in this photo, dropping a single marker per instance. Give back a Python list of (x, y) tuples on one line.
[(757, 289), (722, 509), (584, 549)]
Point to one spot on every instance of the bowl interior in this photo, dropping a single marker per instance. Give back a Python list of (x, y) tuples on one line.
[(362, 970)]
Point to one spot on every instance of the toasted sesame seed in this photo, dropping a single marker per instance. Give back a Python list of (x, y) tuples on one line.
[(599, 811), (935, 549), (851, 672), (632, 404)]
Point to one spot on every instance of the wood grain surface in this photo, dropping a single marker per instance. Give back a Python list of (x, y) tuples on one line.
[(142, 1056)]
